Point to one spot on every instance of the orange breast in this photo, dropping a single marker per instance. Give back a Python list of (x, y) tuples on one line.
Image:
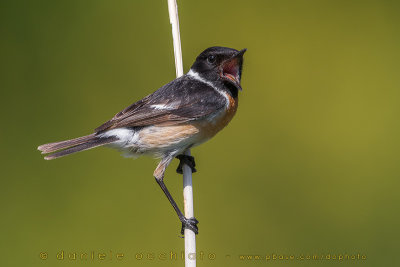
[(209, 128)]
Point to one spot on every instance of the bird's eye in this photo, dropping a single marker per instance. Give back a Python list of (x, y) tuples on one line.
[(211, 59)]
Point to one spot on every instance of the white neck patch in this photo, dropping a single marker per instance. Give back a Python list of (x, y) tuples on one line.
[(196, 76)]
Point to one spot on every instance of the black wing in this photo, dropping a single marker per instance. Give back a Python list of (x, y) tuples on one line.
[(181, 100)]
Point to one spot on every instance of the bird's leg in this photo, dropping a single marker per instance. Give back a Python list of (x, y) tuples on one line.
[(188, 160), (189, 223)]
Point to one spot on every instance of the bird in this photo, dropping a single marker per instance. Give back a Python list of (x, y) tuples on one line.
[(180, 115)]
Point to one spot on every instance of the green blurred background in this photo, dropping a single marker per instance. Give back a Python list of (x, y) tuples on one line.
[(309, 165)]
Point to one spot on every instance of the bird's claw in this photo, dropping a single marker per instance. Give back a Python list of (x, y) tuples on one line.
[(188, 160), (190, 224)]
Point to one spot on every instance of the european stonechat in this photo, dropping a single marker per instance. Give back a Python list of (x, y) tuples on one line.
[(182, 114)]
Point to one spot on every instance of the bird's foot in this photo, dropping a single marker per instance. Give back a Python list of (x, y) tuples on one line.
[(188, 160), (190, 224)]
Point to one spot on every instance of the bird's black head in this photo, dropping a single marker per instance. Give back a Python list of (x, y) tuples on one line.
[(220, 64)]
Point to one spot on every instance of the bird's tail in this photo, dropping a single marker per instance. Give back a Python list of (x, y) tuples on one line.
[(67, 147)]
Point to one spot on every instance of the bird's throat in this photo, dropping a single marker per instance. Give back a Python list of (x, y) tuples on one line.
[(232, 90)]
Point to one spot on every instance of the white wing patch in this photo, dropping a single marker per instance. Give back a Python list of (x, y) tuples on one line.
[(165, 106)]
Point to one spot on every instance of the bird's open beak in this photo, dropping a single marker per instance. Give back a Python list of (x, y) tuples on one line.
[(231, 69)]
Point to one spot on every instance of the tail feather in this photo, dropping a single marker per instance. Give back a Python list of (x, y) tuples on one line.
[(75, 145), (52, 147)]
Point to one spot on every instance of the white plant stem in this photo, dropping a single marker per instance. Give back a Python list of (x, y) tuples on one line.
[(190, 237)]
